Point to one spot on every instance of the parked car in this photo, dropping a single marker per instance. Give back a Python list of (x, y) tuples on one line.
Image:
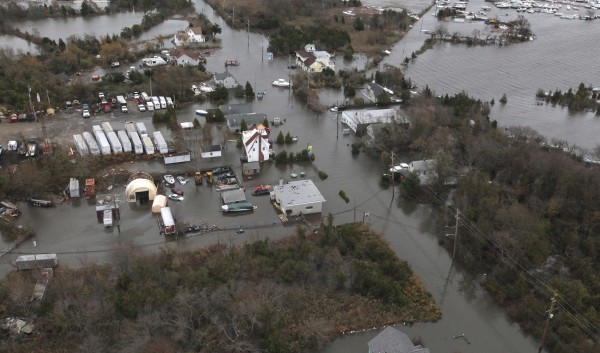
[(85, 113), (136, 95), (101, 95), (141, 107), (95, 78), (177, 190), (175, 197), (114, 64), (182, 180)]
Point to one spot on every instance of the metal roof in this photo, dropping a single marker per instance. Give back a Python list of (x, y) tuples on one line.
[(390, 340), (232, 196), (298, 192)]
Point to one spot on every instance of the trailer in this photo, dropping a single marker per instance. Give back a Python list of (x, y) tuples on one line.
[(166, 222), (30, 262), (107, 218), (138, 146), (96, 128), (129, 128), (125, 141), (90, 141), (102, 143), (141, 129), (181, 157), (161, 144), (115, 144), (106, 127), (121, 100), (80, 145), (156, 102), (145, 97), (148, 145)]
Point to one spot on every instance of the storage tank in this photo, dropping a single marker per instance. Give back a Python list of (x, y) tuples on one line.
[(115, 144), (90, 141), (80, 145), (138, 147), (161, 144), (148, 145), (125, 141)]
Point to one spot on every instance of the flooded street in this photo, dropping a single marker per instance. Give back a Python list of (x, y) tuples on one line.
[(548, 62)]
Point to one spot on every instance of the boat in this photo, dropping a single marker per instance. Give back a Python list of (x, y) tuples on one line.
[(232, 62), (42, 203), (386, 52), (294, 175), (261, 190), (201, 112), (237, 207), (260, 95), (281, 83), (177, 190), (486, 8), (175, 197), (169, 179), (182, 180)]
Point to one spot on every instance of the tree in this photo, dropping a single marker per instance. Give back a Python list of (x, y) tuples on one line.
[(243, 125), (196, 123), (249, 91), (280, 139), (266, 122), (504, 99), (358, 24), (288, 138), (215, 29)]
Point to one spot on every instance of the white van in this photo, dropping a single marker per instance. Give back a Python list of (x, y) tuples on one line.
[(163, 102), (156, 102), (170, 102), (150, 105)]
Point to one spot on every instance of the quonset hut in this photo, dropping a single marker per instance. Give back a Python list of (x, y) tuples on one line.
[(140, 188)]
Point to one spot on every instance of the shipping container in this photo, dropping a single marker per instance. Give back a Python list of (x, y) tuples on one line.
[(115, 144), (138, 147), (125, 141), (30, 262), (102, 142), (80, 145), (106, 127), (141, 129), (160, 143), (90, 141), (148, 145), (182, 157), (167, 222)]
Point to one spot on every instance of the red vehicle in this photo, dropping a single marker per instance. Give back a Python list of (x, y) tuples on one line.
[(105, 106), (177, 190)]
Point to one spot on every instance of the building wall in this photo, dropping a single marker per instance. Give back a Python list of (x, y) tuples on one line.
[(315, 207)]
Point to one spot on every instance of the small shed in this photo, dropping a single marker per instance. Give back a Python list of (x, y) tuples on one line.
[(233, 196), (160, 201), (251, 168), (74, 188)]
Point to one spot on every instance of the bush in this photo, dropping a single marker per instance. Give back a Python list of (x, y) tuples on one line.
[(355, 148), (323, 175), (343, 196)]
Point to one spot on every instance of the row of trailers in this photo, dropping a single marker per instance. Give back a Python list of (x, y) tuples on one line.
[(105, 141)]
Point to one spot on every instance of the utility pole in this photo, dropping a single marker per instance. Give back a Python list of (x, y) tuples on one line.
[(233, 20), (455, 235), (550, 315), (354, 209), (248, 31), (393, 182)]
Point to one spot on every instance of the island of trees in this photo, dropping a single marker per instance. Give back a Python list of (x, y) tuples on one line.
[(288, 296)]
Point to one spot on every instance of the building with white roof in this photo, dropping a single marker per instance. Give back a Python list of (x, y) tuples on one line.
[(298, 197)]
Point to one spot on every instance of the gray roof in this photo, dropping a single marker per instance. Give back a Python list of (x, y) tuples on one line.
[(242, 108), (370, 116), (376, 88), (391, 340), (220, 76), (298, 192), (250, 166), (231, 196), (235, 120)]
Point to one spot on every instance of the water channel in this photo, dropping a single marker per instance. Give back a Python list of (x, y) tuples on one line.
[(409, 229)]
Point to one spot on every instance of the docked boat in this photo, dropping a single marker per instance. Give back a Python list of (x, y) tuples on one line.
[(281, 83), (237, 207), (201, 112), (182, 180), (169, 179), (261, 190), (175, 197), (486, 8), (42, 203)]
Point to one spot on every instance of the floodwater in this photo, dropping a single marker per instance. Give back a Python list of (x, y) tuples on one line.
[(485, 72)]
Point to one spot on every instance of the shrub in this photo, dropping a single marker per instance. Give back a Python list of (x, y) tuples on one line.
[(343, 196), (323, 175)]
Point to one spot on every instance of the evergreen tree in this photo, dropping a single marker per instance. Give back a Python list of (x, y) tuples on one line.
[(280, 139)]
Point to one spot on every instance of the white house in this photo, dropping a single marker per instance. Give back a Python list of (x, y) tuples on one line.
[(312, 60), (391, 340), (225, 79), (184, 57), (359, 120), (425, 170), (256, 144), (191, 35), (298, 197)]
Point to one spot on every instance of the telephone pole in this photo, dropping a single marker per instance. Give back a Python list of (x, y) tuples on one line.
[(393, 182), (248, 31), (455, 234), (550, 315)]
